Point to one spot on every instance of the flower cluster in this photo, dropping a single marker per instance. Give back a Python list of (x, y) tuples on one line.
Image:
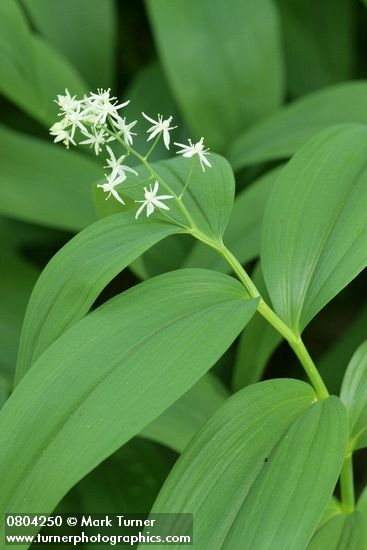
[(96, 118)]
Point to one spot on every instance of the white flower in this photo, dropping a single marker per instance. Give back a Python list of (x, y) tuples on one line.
[(159, 126), (96, 140), (152, 201), (102, 105), (118, 169), (195, 149), (125, 129), (61, 133), (75, 119), (109, 186), (67, 103)]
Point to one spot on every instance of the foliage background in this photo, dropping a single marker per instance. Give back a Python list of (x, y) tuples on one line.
[(219, 68)]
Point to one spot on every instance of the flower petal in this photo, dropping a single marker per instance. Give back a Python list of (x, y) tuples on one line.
[(140, 209), (150, 209), (155, 188), (164, 197), (117, 196), (159, 204), (154, 133), (150, 119), (166, 138)]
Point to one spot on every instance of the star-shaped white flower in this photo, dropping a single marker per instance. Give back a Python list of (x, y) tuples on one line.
[(61, 133), (125, 129), (118, 169), (152, 201), (75, 119), (96, 139), (67, 103), (159, 126), (195, 149), (102, 105), (109, 186)]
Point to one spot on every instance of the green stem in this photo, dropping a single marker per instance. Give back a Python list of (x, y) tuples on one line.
[(294, 341), (310, 368), (347, 485), (153, 146), (187, 179)]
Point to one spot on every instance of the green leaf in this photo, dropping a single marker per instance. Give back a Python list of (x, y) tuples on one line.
[(42, 183), (31, 71), (17, 61), (235, 89), (319, 42), (342, 532), (59, 75), (208, 198), (262, 470), (279, 136), (354, 396), (315, 228), (178, 424), (77, 274), (256, 344), (243, 232), (333, 363), (333, 509), (83, 31), (83, 397)]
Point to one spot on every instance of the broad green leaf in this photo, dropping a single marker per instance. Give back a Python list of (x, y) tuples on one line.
[(333, 509), (178, 424), (333, 363), (319, 42), (209, 196), (261, 472), (59, 75), (42, 183), (354, 396), (315, 225), (279, 136), (342, 532), (83, 31), (243, 233), (83, 397), (256, 344), (31, 71), (17, 63), (224, 65), (77, 274)]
